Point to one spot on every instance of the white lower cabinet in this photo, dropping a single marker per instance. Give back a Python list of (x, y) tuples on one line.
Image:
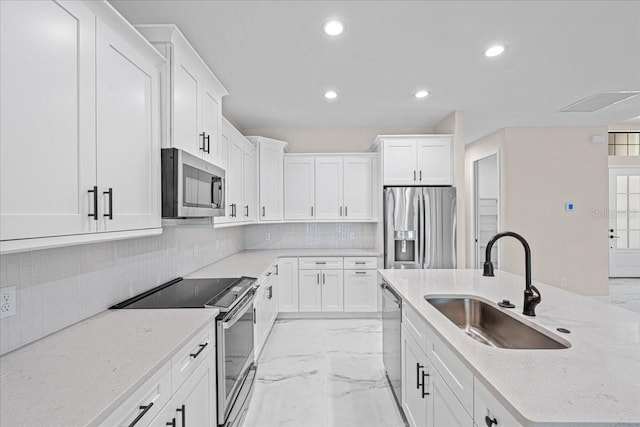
[(332, 285), (288, 284), (265, 308), (309, 290), (488, 411), (415, 404), (360, 290), (181, 393), (321, 289), (447, 409)]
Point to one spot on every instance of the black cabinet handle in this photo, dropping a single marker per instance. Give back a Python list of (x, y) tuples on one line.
[(420, 175), (183, 409), (311, 210), (270, 290), (323, 282), (172, 423), (95, 202), (144, 409), (208, 138), (247, 208), (340, 210), (263, 211), (110, 213), (490, 421), (418, 367), (254, 316), (276, 269), (360, 262), (197, 353), (318, 278), (203, 139), (424, 376), (361, 272), (345, 211), (414, 175), (321, 262)]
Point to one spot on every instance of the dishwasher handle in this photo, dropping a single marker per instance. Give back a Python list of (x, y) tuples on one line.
[(387, 292)]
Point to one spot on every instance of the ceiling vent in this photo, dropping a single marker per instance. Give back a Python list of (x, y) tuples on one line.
[(599, 101)]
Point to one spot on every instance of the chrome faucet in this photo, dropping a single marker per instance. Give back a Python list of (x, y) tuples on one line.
[(532, 295)]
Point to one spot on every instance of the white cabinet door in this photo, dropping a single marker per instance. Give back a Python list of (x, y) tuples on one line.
[(400, 162), (360, 290), (288, 284), (414, 404), (357, 188), (47, 126), (434, 161), (258, 319), (332, 290), (447, 410), (329, 188), (270, 157), (299, 185), (187, 112), (310, 290), (211, 123), (249, 209), (128, 141), (234, 178)]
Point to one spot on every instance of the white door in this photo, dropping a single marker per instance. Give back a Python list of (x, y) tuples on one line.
[(446, 410), (249, 194), (360, 290), (234, 178), (270, 182), (434, 161), (332, 290), (357, 188), (128, 135), (309, 290), (329, 188), (299, 187), (624, 222), (47, 80), (187, 134), (211, 122), (414, 405), (288, 284), (400, 166), (486, 194)]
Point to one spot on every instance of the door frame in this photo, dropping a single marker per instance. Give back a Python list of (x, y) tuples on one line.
[(474, 206)]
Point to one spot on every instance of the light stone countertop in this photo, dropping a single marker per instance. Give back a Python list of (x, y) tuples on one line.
[(596, 381), (253, 262), (79, 375)]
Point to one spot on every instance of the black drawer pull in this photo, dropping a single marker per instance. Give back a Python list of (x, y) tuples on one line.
[(183, 409), (490, 421), (361, 262), (197, 353), (145, 409), (361, 272), (110, 193), (321, 262), (95, 202)]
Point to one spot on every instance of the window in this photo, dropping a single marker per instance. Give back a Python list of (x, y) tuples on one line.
[(624, 143)]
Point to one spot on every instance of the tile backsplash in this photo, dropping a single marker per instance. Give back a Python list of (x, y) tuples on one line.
[(61, 286), (311, 235)]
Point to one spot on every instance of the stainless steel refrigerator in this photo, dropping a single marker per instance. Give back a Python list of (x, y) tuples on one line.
[(420, 227)]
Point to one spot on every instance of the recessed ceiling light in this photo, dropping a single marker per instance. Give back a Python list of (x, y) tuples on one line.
[(421, 94), (334, 28), (331, 94), (494, 51)]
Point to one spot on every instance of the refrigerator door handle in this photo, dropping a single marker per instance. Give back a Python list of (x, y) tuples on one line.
[(421, 227)]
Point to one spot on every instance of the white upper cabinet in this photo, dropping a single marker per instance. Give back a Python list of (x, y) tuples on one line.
[(339, 187), (271, 177), (417, 160), (249, 183), (329, 187), (192, 110), (234, 177), (88, 123), (299, 187)]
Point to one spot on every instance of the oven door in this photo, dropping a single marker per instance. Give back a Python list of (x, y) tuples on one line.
[(235, 354)]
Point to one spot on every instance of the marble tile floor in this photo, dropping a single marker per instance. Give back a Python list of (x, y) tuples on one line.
[(323, 373), (624, 293)]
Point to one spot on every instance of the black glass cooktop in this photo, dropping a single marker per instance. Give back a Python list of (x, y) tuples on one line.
[(191, 293)]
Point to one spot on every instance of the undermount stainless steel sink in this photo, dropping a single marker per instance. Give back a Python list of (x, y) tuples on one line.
[(491, 326)]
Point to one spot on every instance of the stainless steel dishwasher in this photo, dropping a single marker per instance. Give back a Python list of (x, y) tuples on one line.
[(391, 341)]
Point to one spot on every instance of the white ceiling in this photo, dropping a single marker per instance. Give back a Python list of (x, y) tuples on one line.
[(276, 62)]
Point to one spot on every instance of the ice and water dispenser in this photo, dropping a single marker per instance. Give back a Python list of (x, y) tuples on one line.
[(405, 246)]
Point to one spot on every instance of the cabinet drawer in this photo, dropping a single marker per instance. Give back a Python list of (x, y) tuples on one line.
[(457, 376), (190, 356), (415, 326), (486, 405), (320, 263), (359, 263), (146, 402)]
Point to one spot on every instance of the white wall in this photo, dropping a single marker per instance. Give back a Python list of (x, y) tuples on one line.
[(62, 286), (488, 178), (540, 170), (330, 140), (311, 236)]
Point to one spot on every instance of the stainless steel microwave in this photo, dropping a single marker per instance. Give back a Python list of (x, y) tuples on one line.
[(191, 186)]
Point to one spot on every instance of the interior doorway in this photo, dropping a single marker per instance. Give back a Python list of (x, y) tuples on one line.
[(486, 196), (624, 222)]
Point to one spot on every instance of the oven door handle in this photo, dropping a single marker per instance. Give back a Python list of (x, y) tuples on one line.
[(239, 312)]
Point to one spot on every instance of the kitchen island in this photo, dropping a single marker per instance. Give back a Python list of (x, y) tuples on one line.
[(596, 381)]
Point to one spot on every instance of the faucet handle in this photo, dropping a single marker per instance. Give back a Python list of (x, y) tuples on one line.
[(532, 297)]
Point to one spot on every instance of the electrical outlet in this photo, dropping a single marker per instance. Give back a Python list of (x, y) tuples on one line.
[(195, 250), (344, 234), (563, 283), (352, 235), (267, 236), (7, 301)]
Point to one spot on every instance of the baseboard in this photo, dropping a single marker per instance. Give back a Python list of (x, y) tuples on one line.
[(329, 315)]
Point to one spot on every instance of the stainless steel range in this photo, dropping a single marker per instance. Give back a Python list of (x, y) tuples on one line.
[(234, 332)]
